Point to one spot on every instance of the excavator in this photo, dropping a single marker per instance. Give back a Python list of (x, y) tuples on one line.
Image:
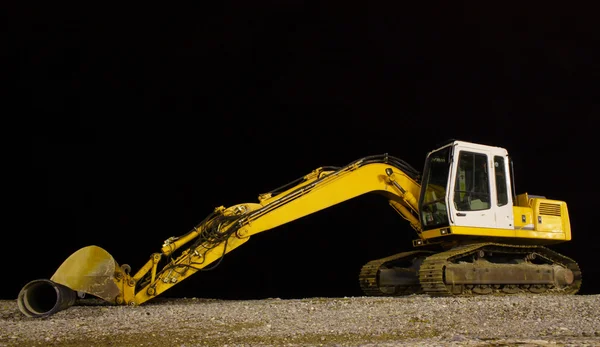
[(475, 234)]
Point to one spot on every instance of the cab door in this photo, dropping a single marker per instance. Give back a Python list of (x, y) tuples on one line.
[(474, 199)]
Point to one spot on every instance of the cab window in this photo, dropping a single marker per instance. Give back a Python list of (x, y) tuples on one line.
[(472, 188), (500, 173), (433, 196)]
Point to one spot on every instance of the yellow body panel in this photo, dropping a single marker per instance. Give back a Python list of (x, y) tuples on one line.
[(551, 215), (543, 215), (523, 218), (434, 234)]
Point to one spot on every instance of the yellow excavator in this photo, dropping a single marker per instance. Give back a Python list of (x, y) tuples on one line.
[(475, 235)]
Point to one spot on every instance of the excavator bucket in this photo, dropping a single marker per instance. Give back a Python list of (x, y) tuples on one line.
[(89, 270)]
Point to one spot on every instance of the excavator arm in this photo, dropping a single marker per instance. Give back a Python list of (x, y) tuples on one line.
[(228, 228), (92, 270)]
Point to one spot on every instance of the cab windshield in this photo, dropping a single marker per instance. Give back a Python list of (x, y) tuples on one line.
[(434, 212)]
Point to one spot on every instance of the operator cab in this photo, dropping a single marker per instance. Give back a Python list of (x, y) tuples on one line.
[(466, 184)]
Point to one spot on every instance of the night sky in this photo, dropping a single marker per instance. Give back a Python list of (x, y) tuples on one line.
[(128, 126)]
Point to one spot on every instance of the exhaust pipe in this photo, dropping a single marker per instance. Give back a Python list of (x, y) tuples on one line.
[(42, 298)]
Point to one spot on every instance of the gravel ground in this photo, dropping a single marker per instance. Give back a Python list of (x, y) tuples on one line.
[(417, 320)]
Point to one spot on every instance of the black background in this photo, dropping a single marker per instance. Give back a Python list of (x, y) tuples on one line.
[(126, 126)]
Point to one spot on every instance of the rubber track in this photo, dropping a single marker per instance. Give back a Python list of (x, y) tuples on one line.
[(431, 273), (368, 275)]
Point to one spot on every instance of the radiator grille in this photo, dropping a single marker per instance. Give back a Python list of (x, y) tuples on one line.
[(549, 209)]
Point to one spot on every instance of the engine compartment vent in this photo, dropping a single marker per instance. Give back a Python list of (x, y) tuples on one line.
[(549, 209)]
